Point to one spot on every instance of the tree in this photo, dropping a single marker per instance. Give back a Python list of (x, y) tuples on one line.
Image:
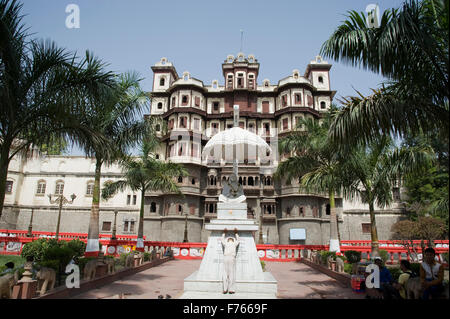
[(373, 169), (117, 115), (317, 162), (410, 48), (428, 192), (146, 174), (43, 91), (424, 228)]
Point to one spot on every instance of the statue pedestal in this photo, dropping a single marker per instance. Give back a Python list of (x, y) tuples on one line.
[(251, 281)]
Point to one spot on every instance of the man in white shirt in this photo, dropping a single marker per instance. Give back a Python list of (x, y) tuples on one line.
[(229, 262)]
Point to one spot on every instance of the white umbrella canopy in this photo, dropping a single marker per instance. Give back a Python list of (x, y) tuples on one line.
[(236, 137)]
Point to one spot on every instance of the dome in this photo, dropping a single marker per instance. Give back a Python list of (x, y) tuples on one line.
[(235, 136)]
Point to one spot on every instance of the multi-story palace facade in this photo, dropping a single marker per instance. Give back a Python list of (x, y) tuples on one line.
[(194, 112)]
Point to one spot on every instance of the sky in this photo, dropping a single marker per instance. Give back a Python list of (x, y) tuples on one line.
[(197, 35)]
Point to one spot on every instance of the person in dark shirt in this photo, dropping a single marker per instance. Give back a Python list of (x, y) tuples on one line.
[(386, 287)]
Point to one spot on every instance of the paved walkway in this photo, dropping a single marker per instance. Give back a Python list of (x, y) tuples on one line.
[(295, 280)]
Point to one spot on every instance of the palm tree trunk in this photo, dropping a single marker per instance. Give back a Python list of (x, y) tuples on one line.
[(4, 163), (373, 231), (334, 240), (140, 239), (93, 247)]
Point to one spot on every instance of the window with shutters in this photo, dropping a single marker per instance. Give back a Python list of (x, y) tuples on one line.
[(285, 124), (90, 189), (265, 106), (41, 188), (9, 187), (106, 226), (184, 100), (284, 100), (365, 228), (183, 122), (196, 124), (59, 189)]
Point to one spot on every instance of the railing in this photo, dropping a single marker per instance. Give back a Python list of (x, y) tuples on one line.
[(12, 241)]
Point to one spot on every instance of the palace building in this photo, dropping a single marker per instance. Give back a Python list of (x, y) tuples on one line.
[(195, 111)]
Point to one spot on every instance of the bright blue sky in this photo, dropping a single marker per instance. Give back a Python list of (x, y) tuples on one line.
[(197, 35)]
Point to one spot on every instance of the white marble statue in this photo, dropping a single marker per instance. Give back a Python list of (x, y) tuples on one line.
[(229, 262)]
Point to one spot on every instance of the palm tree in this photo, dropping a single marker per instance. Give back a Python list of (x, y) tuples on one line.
[(117, 116), (410, 48), (146, 174), (43, 91), (317, 162), (372, 170)]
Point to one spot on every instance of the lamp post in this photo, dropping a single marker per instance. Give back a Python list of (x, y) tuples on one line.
[(61, 200), (113, 236), (30, 227), (185, 240), (260, 240)]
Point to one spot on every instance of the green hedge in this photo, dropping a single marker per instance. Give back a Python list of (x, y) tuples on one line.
[(352, 256)]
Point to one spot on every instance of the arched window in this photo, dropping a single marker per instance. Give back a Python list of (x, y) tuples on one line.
[(90, 188), (159, 106), (157, 128), (322, 105), (153, 207), (180, 179), (59, 188), (9, 187), (193, 181), (250, 181), (41, 185), (162, 81), (320, 79)]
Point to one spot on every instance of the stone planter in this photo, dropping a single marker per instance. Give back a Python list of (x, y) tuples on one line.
[(333, 266), (101, 271)]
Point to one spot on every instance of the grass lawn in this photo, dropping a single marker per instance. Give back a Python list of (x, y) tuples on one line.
[(17, 260)]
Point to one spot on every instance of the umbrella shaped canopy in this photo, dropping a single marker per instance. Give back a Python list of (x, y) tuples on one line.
[(235, 137)]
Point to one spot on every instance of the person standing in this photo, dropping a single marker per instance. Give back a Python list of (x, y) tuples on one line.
[(229, 262), (431, 275)]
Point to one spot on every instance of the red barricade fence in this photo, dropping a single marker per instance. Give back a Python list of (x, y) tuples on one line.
[(12, 241)]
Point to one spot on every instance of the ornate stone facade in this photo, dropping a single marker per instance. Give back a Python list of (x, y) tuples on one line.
[(194, 112)]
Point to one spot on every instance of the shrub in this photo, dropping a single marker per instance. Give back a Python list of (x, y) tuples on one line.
[(146, 256), (348, 268), (37, 249), (122, 259), (395, 272), (324, 254), (263, 265), (77, 246), (62, 254), (352, 256), (83, 261), (384, 255), (445, 257), (54, 264)]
